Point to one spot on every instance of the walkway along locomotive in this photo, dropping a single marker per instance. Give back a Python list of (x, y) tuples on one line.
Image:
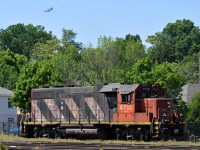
[(110, 111)]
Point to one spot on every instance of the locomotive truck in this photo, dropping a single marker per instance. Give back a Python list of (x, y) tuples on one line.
[(115, 110)]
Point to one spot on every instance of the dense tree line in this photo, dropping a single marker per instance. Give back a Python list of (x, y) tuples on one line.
[(31, 57)]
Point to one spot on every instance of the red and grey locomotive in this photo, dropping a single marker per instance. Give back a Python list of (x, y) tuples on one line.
[(110, 111)]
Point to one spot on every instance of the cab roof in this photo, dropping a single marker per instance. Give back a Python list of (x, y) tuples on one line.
[(127, 88), (111, 87)]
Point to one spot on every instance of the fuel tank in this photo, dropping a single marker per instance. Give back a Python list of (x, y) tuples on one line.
[(81, 133)]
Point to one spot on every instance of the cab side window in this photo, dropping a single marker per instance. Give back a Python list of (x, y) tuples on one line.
[(126, 98)]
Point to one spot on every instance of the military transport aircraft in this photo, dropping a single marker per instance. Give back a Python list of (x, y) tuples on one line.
[(49, 9)]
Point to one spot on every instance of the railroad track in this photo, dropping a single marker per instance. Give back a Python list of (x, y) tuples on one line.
[(86, 146)]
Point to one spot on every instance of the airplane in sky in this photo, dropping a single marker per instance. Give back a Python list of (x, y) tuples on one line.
[(49, 9)]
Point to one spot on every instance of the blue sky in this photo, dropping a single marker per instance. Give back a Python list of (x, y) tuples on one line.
[(91, 19)]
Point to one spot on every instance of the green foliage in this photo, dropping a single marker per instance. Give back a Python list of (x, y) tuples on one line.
[(21, 38), (165, 74), (68, 38), (25, 83), (111, 60), (99, 65), (45, 50), (131, 38), (94, 66), (10, 65), (51, 64), (66, 60), (33, 75), (193, 114), (189, 68), (66, 67), (171, 61), (141, 72), (176, 41)]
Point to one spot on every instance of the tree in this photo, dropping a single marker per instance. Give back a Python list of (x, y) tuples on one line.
[(189, 68), (131, 50), (48, 66), (97, 64), (21, 38), (10, 65), (66, 62), (176, 41), (111, 60), (45, 50), (91, 66), (26, 81), (33, 75), (165, 74), (132, 38), (68, 38), (193, 113), (66, 67), (141, 72), (122, 54)]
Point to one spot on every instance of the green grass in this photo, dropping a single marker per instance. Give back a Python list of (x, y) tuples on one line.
[(11, 138)]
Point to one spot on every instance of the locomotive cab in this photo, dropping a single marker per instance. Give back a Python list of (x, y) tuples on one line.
[(139, 103), (125, 103)]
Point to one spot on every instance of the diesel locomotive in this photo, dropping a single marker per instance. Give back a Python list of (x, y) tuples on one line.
[(115, 110)]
